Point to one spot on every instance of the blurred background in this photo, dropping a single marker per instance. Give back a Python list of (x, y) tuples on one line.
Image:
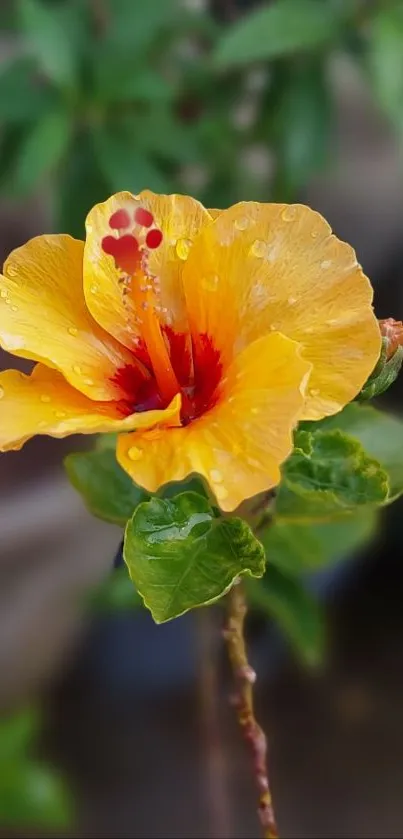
[(101, 730)]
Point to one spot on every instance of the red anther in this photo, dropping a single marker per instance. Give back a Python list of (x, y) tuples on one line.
[(125, 252), (154, 238), (143, 217), (119, 220)]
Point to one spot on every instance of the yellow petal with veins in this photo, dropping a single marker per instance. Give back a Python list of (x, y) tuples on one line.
[(262, 267), (43, 316), (44, 403)]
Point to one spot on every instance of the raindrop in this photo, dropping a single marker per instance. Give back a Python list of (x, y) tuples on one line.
[(289, 213), (326, 264), (88, 381), (210, 282), (221, 493), (314, 391), (11, 271), (242, 223), (3, 293), (259, 248), (60, 414), (291, 301), (73, 330), (14, 308), (216, 476), (135, 453), (93, 288), (45, 398), (182, 248), (77, 369)]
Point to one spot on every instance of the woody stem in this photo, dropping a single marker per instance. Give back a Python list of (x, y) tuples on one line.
[(245, 677)]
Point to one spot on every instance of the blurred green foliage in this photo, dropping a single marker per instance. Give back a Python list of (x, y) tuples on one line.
[(226, 101), (32, 794)]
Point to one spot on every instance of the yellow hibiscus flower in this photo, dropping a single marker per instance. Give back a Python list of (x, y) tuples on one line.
[(202, 336)]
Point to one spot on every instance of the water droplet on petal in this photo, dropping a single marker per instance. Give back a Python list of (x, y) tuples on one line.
[(73, 330), (88, 381), (94, 288), (289, 213), (216, 476), (326, 264), (135, 453), (183, 248), (11, 271), (77, 369), (7, 301), (60, 414), (1, 392), (45, 397), (314, 391), (210, 282), (314, 234), (14, 308), (221, 493), (259, 248), (242, 223), (291, 301), (3, 293)]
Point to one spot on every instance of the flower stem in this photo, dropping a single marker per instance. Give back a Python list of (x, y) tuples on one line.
[(215, 767), (245, 678)]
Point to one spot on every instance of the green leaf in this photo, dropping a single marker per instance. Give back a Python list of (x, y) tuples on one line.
[(108, 491), (283, 28), (80, 186), (385, 59), (385, 373), (106, 441), (295, 611), (50, 40), (123, 165), (302, 116), (121, 77), (41, 151), (380, 434), (298, 548), (133, 28), (23, 97), (16, 734), (329, 474), (31, 794), (116, 594), (181, 554), (159, 132)]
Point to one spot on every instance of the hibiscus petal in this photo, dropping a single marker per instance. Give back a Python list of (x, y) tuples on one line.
[(179, 218), (274, 266), (43, 316), (44, 403), (239, 445)]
